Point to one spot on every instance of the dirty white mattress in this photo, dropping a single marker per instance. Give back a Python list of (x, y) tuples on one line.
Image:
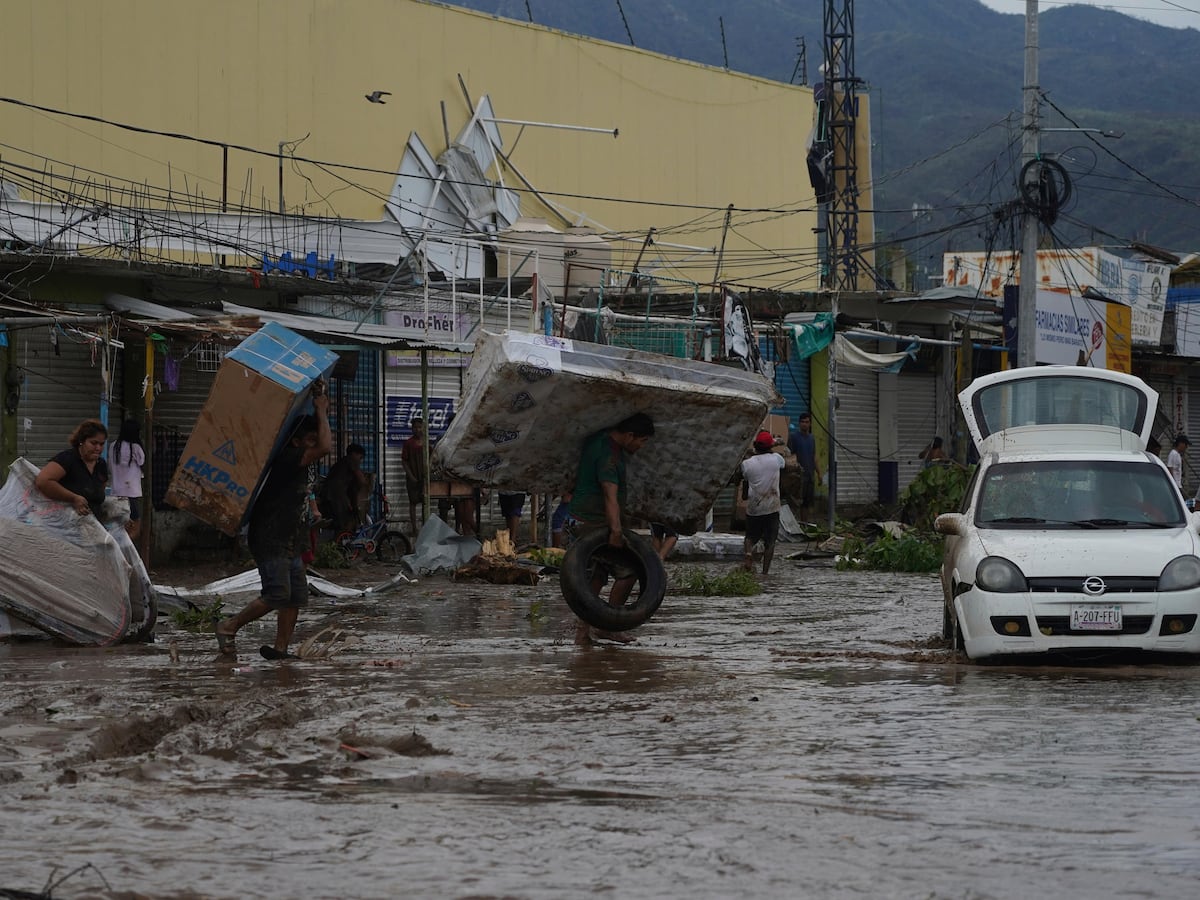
[(530, 400)]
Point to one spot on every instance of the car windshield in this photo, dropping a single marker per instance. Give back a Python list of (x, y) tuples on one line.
[(1078, 494)]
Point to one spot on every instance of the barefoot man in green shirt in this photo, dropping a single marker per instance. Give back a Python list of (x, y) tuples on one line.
[(596, 502)]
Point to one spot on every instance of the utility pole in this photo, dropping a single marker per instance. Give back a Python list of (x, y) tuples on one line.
[(1030, 150)]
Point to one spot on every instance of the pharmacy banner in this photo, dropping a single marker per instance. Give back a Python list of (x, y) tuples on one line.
[(1136, 282), (1074, 331)]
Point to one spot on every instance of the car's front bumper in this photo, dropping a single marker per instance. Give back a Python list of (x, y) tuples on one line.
[(994, 624)]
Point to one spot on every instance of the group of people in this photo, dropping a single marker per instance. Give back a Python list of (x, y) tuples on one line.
[(278, 523)]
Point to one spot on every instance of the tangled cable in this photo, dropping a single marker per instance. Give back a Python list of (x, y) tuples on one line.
[(1045, 189)]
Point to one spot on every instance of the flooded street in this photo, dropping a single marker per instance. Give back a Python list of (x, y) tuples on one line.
[(815, 740)]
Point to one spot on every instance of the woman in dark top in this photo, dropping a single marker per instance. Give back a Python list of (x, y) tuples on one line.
[(78, 475)]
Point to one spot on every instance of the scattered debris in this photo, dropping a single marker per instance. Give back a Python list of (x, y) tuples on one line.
[(497, 570), (325, 644)]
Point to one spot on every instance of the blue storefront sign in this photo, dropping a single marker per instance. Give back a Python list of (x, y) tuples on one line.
[(400, 412)]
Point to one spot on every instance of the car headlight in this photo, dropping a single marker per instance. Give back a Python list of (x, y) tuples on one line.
[(1181, 574), (999, 575)]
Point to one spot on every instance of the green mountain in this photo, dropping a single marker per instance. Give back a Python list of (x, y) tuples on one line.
[(945, 79)]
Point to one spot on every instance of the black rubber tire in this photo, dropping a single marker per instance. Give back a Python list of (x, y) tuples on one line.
[(575, 583), (392, 546), (950, 630)]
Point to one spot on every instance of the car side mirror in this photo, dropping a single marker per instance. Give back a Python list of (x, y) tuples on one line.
[(948, 523)]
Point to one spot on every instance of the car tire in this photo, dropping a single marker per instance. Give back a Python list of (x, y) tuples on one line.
[(950, 630), (575, 583)]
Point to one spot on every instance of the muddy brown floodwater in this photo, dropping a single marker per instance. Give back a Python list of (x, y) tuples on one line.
[(813, 741)]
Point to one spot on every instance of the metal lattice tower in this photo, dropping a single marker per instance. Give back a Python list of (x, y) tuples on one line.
[(841, 166)]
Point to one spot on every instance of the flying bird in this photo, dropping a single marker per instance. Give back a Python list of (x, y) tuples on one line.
[(377, 96)]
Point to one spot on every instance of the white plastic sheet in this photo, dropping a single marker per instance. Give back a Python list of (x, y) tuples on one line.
[(439, 547), (65, 573)]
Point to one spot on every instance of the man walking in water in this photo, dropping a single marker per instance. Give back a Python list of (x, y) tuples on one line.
[(761, 472), (597, 501), (277, 533)]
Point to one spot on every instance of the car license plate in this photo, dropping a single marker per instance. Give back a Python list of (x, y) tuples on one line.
[(1096, 617)]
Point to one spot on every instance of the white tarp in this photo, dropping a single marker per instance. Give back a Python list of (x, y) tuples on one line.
[(850, 354), (65, 573), (441, 548), (530, 400), (249, 582)]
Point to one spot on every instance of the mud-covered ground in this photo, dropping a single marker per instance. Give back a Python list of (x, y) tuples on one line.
[(815, 740)]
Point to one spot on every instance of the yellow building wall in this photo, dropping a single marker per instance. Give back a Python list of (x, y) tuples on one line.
[(256, 73)]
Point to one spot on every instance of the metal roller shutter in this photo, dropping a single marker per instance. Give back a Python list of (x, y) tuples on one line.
[(402, 400), (1191, 462), (1171, 415), (1174, 415), (857, 435), (183, 377), (63, 386), (916, 401)]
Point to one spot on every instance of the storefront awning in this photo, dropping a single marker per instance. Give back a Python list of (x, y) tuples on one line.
[(340, 331)]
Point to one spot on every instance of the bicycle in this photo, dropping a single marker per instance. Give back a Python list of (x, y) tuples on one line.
[(374, 538)]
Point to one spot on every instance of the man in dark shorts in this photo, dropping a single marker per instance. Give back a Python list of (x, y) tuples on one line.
[(511, 505), (412, 457), (277, 533), (596, 502)]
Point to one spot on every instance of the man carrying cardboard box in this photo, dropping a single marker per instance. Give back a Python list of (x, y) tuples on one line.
[(277, 535)]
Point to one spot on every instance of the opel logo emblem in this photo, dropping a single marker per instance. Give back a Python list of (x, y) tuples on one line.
[(1094, 585)]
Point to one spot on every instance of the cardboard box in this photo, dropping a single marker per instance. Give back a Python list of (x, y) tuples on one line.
[(778, 426), (259, 392)]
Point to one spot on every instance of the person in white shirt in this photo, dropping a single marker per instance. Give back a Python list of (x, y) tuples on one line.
[(1175, 459), (126, 456), (761, 477)]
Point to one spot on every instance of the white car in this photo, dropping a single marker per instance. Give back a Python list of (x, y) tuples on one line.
[(1071, 538)]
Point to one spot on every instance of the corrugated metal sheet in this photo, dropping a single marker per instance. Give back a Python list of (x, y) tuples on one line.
[(62, 388), (857, 435), (792, 380)]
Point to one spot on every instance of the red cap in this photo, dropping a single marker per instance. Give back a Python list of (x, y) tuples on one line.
[(764, 439)]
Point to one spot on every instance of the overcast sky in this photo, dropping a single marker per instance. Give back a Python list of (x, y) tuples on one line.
[(1173, 13)]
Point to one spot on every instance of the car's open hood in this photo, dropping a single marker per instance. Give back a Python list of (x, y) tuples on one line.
[(1059, 407)]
